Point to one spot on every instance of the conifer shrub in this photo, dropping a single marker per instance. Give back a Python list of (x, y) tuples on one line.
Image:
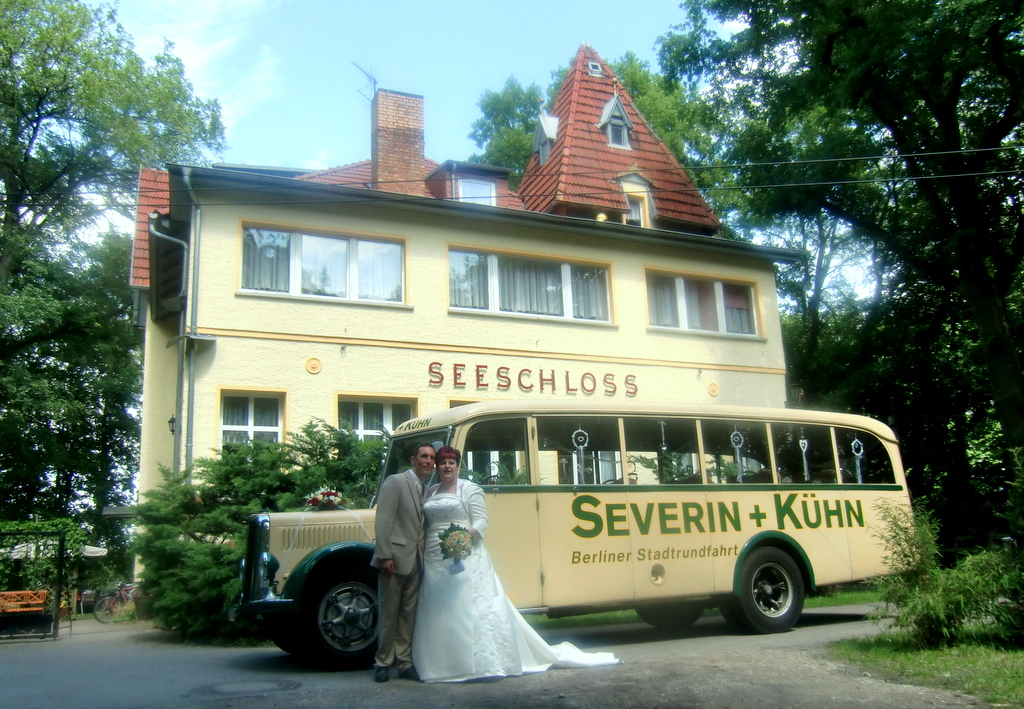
[(193, 527)]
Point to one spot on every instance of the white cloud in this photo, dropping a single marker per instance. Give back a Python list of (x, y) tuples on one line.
[(215, 39), (320, 162)]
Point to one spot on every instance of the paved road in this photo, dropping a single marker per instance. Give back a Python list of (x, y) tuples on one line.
[(131, 666)]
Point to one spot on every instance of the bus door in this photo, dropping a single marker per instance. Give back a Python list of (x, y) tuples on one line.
[(868, 476), (737, 464), (812, 510), (496, 456), (585, 542), (665, 509)]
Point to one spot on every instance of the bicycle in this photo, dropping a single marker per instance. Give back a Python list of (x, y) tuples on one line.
[(114, 605)]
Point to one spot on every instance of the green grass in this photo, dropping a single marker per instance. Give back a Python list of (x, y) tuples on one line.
[(985, 670), (845, 598), (584, 621)]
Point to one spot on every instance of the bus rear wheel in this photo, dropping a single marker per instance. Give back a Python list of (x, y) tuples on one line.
[(671, 616), (771, 595)]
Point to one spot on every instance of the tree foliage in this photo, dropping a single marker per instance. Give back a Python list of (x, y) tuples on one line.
[(194, 526), (900, 121), (80, 112), (505, 131)]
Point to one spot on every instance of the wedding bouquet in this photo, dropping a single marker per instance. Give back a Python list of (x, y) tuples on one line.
[(456, 544)]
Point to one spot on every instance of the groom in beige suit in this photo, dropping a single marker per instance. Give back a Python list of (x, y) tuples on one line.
[(398, 556)]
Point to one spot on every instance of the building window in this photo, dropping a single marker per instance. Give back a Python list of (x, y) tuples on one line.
[(477, 191), (329, 266), (695, 304), (617, 133), (615, 123), (635, 216), (509, 284), (244, 418), (369, 418)]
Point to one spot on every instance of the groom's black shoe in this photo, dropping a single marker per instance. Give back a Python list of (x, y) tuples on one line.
[(380, 674), (409, 673)]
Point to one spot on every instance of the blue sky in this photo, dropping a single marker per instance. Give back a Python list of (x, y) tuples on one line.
[(290, 95)]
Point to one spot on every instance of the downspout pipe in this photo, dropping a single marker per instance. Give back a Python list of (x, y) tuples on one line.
[(179, 384), (193, 303)]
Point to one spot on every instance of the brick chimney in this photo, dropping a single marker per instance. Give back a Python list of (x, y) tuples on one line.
[(396, 150)]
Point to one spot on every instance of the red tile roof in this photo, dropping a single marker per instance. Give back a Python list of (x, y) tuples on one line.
[(357, 174), (582, 168), (154, 196)]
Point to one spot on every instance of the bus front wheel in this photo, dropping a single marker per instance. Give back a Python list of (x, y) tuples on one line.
[(339, 618), (771, 592)]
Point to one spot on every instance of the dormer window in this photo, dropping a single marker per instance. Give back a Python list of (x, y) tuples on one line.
[(615, 124), (635, 216), (594, 69), (477, 191), (544, 137)]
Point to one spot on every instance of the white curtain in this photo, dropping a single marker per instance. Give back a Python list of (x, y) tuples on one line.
[(324, 266), (662, 301), (265, 257), (467, 280), (589, 293), (701, 308), (380, 271), (530, 286), (737, 309)]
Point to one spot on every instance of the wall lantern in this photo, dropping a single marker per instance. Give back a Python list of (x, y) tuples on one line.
[(170, 423)]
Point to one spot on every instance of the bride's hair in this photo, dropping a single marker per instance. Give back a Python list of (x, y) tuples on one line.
[(448, 452)]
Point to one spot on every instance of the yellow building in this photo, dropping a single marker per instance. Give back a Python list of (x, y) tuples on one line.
[(376, 292)]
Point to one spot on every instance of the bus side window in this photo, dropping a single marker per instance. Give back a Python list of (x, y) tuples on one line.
[(863, 458), (803, 453), (662, 451), (736, 452), (496, 453), (579, 450)]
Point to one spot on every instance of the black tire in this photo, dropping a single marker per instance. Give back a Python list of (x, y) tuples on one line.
[(338, 619), (729, 607), (283, 630), (103, 609), (671, 616), (771, 591)]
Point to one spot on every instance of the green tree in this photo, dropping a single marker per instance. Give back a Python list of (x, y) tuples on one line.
[(505, 131), (80, 112), (931, 94)]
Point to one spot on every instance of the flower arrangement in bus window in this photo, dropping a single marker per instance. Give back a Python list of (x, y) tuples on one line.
[(456, 544)]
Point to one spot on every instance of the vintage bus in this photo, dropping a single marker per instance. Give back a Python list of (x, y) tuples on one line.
[(666, 509)]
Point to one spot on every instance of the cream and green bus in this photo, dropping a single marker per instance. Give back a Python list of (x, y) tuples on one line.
[(669, 510)]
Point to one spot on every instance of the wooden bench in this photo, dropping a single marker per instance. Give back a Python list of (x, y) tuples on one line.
[(23, 601)]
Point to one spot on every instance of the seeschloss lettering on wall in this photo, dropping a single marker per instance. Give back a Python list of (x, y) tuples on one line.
[(485, 377)]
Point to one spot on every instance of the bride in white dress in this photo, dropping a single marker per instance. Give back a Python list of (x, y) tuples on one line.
[(466, 628)]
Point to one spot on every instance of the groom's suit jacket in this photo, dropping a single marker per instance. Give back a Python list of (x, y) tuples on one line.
[(399, 523)]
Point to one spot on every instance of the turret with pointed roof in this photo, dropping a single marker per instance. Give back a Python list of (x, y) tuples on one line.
[(597, 155)]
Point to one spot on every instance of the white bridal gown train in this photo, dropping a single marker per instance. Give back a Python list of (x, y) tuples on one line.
[(466, 628)]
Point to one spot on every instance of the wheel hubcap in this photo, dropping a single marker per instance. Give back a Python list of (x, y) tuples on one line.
[(772, 590), (348, 616)]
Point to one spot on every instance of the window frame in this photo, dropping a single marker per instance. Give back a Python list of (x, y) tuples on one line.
[(679, 281), (491, 199), (494, 286), (250, 428), (387, 418), (295, 266)]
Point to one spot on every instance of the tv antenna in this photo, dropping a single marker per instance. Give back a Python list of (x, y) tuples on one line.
[(369, 77)]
